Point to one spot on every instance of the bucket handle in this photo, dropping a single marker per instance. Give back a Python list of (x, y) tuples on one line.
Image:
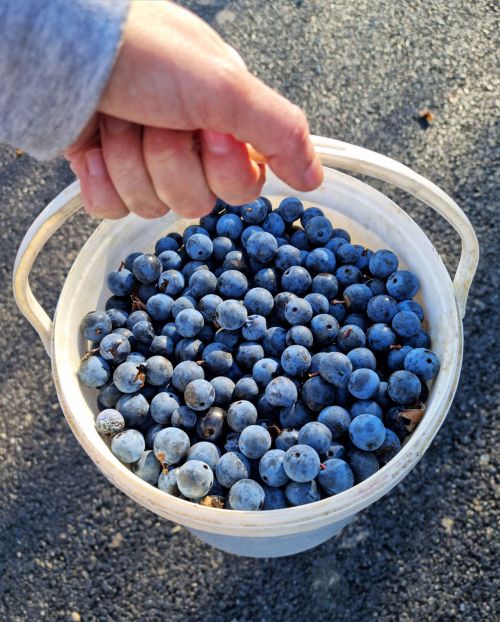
[(42, 229), (337, 154), (333, 153)]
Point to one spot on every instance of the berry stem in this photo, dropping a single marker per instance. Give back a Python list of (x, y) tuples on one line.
[(90, 353), (137, 304)]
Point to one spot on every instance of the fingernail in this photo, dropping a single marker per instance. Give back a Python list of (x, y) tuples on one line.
[(95, 163), (313, 175), (115, 125), (218, 143)]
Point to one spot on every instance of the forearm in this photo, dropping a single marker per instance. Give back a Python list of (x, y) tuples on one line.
[(55, 59)]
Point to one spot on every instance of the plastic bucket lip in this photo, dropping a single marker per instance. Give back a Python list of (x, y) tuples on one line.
[(285, 521)]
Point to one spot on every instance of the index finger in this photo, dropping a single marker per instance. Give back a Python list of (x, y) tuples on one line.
[(254, 113)]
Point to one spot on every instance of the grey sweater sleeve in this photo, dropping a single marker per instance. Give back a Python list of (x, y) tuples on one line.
[(55, 59)]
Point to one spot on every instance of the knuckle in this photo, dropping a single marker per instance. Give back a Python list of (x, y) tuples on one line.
[(228, 75), (130, 181), (166, 145), (298, 129), (125, 174), (230, 92)]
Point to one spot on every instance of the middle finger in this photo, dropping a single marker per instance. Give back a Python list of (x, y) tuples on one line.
[(122, 149)]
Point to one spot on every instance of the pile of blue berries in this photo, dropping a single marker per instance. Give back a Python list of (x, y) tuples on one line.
[(255, 364)]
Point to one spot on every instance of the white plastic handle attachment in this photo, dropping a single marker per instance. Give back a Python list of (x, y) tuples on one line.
[(45, 225), (337, 154)]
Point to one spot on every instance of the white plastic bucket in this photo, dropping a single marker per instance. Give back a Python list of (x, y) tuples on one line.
[(373, 220)]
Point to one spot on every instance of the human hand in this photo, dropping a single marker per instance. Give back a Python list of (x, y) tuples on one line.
[(172, 127)]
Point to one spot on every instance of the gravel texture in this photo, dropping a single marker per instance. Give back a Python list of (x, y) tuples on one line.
[(74, 548)]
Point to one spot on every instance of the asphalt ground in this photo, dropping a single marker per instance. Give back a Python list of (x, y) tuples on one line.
[(74, 548)]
